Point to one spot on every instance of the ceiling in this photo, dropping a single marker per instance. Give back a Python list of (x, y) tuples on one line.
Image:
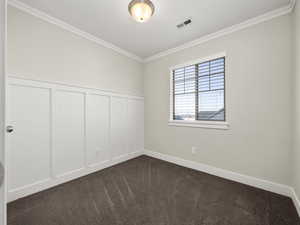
[(110, 21)]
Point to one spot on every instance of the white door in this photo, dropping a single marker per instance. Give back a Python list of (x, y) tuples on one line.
[(2, 107)]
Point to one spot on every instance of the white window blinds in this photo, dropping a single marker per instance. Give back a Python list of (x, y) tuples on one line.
[(199, 91)]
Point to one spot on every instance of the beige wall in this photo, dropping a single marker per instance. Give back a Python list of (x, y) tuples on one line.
[(296, 56), (258, 98), (40, 50)]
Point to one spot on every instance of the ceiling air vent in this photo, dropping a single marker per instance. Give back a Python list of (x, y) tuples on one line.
[(185, 23)]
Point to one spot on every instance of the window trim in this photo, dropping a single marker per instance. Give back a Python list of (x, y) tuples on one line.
[(224, 125)]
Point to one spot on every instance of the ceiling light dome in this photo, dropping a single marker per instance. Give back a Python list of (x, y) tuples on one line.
[(141, 10)]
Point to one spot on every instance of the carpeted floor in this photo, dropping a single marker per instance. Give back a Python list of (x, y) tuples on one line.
[(147, 191)]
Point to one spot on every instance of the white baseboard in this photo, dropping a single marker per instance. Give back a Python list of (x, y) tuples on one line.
[(244, 179), (295, 200), (52, 182)]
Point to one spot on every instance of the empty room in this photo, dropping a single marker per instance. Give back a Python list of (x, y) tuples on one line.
[(150, 112)]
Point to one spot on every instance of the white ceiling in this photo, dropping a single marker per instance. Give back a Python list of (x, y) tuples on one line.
[(109, 20)]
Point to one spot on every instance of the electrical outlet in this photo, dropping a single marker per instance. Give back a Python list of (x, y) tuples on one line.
[(194, 150)]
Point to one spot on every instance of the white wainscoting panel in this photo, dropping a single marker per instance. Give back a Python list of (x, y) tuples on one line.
[(136, 127), (69, 132), (98, 122), (119, 127), (63, 132), (29, 149)]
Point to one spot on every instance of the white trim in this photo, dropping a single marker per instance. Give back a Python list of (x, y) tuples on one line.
[(50, 19), (293, 4), (171, 103), (85, 129), (51, 123), (70, 172), (200, 124), (54, 178), (295, 200), (59, 86), (266, 185), (109, 129), (30, 185), (198, 61), (248, 23), (223, 32), (98, 164), (244, 179), (222, 125), (3, 101), (49, 183)]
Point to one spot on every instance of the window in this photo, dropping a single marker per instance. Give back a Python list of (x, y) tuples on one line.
[(198, 92)]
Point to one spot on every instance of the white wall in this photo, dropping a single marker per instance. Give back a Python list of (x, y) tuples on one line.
[(258, 98), (258, 93), (43, 51), (296, 88), (2, 100), (64, 132)]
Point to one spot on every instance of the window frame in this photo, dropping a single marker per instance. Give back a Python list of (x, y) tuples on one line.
[(224, 125)]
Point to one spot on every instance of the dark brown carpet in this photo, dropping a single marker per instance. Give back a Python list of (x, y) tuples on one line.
[(147, 191)]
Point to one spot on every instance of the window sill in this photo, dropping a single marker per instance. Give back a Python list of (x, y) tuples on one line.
[(200, 124)]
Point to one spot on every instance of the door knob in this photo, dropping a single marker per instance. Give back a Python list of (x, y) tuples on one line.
[(9, 129)]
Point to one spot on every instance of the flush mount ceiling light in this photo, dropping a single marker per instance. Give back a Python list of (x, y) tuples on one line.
[(141, 10)]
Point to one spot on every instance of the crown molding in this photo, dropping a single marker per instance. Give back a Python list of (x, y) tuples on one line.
[(248, 23), (292, 4), (46, 17)]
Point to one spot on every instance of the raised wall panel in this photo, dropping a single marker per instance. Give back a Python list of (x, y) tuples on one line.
[(69, 132), (119, 127), (64, 132), (98, 119), (135, 125), (29, 144), (140, 126)]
